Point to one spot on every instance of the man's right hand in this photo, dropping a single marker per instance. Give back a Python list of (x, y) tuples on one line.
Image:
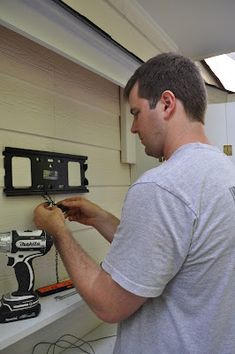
[(82, 210), (85, 212)]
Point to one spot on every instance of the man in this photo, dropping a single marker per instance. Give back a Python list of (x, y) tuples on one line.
[(169, 277)]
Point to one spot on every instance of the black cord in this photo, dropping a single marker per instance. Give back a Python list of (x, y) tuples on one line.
[(57, 344), (51, 202), (78, 344), (101, 338), (40, 343), (57, 265), (75, 345)]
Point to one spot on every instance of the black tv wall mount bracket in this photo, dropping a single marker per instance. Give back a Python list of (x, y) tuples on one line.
[(49, 172)]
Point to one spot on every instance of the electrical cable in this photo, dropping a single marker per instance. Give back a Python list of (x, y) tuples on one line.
[(101, 338), (50, 202), (78, 344), (57, 265), (75, 345)]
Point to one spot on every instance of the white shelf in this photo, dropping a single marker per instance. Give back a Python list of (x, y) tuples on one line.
[(51, 310)]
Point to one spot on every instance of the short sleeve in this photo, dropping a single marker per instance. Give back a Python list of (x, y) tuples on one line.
[(152, 240)]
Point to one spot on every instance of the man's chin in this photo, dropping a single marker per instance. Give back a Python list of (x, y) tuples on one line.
[(152, 154), (148, 152)]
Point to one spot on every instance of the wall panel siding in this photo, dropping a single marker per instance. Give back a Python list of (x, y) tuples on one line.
[(49, 103), (24, 52), (73, 81), (26, 107), (74, 120)]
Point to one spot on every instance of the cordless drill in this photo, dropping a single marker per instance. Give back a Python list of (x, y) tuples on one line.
[(21, 248)]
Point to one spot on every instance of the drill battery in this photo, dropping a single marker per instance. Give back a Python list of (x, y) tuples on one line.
[(14, 308)]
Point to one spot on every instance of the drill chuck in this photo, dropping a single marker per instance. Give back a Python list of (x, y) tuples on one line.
[(5, 242)]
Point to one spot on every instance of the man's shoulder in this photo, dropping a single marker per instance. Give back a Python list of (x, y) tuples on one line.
[(188, 164)]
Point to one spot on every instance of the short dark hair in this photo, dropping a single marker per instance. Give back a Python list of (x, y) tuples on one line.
[(174, 72)]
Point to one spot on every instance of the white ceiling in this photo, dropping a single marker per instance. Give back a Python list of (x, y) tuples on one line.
[(200, 28)]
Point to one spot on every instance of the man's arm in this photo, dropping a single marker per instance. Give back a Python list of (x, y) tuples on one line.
[(106, 298), (88, 213)]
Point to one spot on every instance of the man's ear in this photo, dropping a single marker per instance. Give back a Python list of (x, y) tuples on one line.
[(168, 101)]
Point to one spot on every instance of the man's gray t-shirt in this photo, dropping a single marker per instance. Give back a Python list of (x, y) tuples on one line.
[(175, 245)]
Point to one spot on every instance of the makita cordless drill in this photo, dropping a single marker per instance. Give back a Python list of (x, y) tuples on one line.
[(21, 248)]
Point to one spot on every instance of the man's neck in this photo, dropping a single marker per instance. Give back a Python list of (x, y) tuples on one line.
[(192, 132)]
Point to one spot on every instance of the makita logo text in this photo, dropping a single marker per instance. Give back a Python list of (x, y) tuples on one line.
[(28, 244)]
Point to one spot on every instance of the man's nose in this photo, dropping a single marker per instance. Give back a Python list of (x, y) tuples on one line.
[(134, 127)]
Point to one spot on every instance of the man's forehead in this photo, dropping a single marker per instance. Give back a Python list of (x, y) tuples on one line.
[(135, 88), (134, 93)]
